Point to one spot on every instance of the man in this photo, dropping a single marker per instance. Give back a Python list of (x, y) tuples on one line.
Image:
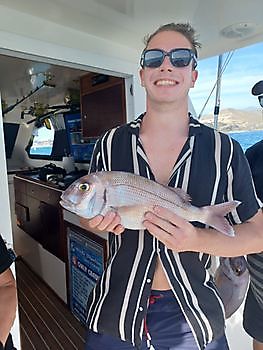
[(253, 311), (8, 299), (156, 292)]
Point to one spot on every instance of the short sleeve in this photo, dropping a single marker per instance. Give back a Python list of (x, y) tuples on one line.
[(96, 159), (5, 258), (241, 186)]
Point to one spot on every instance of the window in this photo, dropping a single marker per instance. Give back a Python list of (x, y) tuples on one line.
[(49, 139), (42, 141)]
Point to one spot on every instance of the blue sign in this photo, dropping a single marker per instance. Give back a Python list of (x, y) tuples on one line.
[(86, 264)]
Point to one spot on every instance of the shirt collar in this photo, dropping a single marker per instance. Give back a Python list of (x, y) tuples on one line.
[(194, 125)]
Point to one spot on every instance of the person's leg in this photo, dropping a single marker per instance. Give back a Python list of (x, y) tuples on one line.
[(96, 341), (219, 344), (257, 345), (167, 325)]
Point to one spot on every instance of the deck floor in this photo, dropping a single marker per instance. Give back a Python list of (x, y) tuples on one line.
[(45, 321)]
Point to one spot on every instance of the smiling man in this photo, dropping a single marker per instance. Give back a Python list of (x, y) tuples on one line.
[(156, 291)]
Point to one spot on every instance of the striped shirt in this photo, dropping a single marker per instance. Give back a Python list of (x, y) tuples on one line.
[(255, 261), (211, 168)]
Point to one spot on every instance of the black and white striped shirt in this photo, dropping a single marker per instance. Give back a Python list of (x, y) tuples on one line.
[(211, 168)]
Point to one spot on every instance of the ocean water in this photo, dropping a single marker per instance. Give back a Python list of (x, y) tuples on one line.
[(247, 138), (41, 151)]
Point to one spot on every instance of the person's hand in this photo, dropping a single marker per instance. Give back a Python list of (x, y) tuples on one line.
[(111, 222), (175, 232)]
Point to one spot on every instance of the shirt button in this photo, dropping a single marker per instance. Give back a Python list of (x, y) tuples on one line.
[(141, 308), (148, 280)]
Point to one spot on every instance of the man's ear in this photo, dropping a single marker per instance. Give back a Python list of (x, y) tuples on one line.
[(141, 76), (194, 77)]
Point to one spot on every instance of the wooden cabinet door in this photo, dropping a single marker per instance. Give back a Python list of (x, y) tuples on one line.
[(102, 106)]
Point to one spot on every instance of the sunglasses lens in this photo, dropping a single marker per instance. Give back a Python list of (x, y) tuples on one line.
[(180, 58), (153, 58)]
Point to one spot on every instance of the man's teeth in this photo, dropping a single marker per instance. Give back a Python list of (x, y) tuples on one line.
[(166, 82)]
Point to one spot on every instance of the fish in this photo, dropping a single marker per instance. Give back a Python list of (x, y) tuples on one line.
[(131, 196), (231, 280)]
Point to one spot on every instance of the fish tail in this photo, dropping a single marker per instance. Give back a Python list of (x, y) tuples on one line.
[(215, 216)]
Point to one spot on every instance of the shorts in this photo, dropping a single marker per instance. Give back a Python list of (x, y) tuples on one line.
[(167, 326), (253, 317)]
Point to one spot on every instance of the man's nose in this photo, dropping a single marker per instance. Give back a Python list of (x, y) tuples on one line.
[(166, 65)]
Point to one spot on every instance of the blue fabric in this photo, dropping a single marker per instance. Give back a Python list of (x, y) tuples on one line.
[(167, 327)]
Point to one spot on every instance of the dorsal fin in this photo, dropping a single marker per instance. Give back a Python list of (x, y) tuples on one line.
[(185, 197)]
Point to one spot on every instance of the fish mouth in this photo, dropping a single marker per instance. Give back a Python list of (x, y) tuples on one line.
[(67, 205)]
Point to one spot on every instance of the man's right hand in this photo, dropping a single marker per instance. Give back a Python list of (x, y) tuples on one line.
[(111, 222)]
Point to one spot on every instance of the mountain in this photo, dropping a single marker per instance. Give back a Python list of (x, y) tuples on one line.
[(236, 119)]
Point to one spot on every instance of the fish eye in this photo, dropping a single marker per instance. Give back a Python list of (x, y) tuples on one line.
[(84, 187)]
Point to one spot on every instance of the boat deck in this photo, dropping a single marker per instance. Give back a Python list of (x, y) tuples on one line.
[(45, 321)]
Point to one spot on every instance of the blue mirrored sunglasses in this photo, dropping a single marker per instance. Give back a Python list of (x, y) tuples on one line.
[(154, 58)]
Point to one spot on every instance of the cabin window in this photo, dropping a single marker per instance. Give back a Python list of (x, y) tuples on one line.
[(48, 140), (42, 141)]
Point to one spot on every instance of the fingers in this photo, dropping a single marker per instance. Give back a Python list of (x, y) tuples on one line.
[(162, 235), (111, 222), (169, 216), (169, 228)]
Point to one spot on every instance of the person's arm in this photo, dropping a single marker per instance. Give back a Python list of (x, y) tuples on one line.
[(8, 303), (180, 235)]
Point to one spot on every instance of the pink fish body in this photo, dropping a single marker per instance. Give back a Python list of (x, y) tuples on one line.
[(133, 195)]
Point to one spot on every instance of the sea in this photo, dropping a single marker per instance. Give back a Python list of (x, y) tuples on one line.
[(247, 138)]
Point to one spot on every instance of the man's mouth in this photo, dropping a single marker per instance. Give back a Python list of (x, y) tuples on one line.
[(166, 82)]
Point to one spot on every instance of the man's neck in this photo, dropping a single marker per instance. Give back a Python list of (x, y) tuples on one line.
[(166, 119)]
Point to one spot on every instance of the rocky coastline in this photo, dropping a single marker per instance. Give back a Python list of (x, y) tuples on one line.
[(235, 120)]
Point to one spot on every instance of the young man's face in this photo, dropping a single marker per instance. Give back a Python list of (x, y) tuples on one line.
[(167, 84)]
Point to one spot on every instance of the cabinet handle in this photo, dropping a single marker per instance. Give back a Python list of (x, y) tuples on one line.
[(85, 116)]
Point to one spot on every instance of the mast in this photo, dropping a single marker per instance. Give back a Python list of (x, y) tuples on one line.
[(218, 91)]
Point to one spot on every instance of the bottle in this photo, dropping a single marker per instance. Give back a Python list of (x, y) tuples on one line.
[(68, 163)]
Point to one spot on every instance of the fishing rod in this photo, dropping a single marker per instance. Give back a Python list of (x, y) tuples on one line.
[(10, 108)]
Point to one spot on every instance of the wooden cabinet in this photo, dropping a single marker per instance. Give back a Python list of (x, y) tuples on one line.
[(39, 214), (103, 106)]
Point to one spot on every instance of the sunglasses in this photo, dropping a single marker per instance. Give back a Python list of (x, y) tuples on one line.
[(154, 58)]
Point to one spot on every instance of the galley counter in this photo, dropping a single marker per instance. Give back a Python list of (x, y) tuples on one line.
[(55, 245)]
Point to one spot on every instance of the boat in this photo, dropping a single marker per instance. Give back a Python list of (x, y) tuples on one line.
[(55, 58)]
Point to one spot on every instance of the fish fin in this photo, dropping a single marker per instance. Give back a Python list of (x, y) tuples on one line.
[(185, 197), (215, 217)]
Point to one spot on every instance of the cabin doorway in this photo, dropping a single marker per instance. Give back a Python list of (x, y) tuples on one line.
[(30, 87)]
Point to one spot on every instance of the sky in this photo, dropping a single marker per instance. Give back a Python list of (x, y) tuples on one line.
[(244, 70)]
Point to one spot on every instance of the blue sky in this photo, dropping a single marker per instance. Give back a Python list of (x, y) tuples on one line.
[(243, 71)]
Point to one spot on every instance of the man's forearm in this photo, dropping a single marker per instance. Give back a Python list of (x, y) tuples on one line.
[(248, 239)]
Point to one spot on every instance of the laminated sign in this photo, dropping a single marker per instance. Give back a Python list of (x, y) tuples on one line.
[(86, 264)]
